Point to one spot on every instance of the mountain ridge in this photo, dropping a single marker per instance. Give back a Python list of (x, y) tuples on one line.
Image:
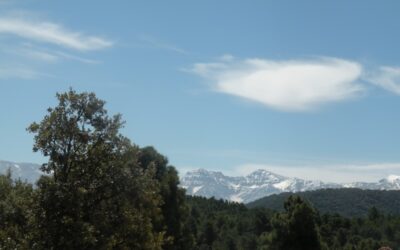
[(261, 183), (29, 172), (245, 189)]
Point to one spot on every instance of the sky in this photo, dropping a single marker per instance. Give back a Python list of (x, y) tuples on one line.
[(306, 89)]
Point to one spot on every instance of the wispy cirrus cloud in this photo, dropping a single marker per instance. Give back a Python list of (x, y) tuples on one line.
[(75, 58), (156, 43), (29, 53), (387, 78), (40, 55), (19, 72), (47, 55), (289, 85), (31, 43), (48, 32)]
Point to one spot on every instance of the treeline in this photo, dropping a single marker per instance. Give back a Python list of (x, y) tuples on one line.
[(348, 202), (103, 192), (204, 224), (225, 225)]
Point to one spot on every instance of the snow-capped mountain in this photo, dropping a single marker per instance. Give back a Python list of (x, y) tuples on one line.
[(244, 189), (262, 183), (392, 182), (25, 171)]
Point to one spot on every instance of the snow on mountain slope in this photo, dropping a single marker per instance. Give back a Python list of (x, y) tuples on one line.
[(244, 189), (25, 171), (262, 183), (392, 182)]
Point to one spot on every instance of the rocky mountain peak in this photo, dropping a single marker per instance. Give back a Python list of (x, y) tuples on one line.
[(262, 183)]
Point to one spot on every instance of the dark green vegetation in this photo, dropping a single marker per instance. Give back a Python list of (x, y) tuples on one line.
[(349, 202), (233, 226), (104, 192)]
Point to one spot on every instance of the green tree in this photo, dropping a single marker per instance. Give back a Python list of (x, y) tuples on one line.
[(294, 229), (208, 235), (98, 196), (15, 210), (174, 210), (373, 214)]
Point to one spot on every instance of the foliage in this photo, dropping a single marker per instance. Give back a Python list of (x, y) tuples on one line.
[(293, 229), (219, 224), (173, 208), (15, 204)]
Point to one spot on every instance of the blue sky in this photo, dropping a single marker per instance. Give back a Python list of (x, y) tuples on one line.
[(308, 89)]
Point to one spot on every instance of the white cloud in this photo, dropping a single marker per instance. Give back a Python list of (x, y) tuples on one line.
[(292, 85), (387, 78), (52, 33)]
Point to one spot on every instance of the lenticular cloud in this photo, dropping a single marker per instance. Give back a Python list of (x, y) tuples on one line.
[(292, 85)]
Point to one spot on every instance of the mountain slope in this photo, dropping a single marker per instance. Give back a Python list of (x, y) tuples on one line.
[(347, 202), (24, 171), (258, 184), (262, 183)]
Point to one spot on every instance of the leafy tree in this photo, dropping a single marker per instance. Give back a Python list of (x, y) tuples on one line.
[(261, 221), (373, 214), (98, 196), (15, 203), (294, 229), (174, 210), (209, 234)]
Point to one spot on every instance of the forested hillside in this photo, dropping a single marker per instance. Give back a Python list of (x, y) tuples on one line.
[(104, 192), (350, 202), (225, 225)]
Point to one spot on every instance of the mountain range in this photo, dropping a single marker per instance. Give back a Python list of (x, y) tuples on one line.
[(261, 183), (245, 189)]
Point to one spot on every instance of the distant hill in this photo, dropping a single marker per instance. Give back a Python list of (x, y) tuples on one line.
[(349, 202)]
